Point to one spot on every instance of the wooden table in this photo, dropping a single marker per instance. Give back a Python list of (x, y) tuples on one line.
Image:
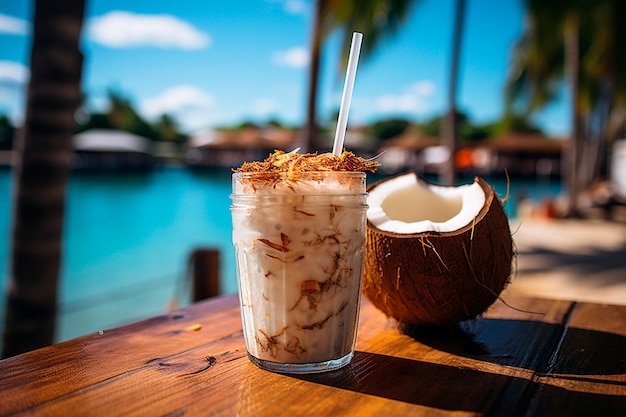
[(558, 358)]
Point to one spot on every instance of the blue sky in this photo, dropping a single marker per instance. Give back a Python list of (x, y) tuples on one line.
[(213, 62)]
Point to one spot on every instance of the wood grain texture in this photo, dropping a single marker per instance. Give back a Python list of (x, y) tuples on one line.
[(544, 357), (587, 372)]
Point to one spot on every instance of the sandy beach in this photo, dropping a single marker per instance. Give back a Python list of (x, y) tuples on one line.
[(582, 260)]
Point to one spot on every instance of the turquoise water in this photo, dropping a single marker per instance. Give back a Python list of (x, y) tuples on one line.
[(127, 241), (128, 238)]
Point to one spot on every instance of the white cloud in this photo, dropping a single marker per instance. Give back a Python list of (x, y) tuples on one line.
[(175, 99), (193, 121), (120, 29), (13, 73), (400, 103), (295, 6), (265, 106), (13, 25), (297, 57), (412, 100), (423, 88), (189, 104)]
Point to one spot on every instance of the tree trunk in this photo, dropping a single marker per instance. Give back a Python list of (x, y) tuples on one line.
[(41, 175), (572, 67), (450, 129), (310, 134)]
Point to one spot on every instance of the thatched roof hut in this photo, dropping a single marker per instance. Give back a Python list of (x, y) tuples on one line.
[(519, 154), (232, 147), (111, 150)]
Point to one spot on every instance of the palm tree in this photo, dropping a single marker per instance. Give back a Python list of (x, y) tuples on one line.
[(123, 116), (450, 129), (310, 134), (376, 19), (53, 97), (580, 41)]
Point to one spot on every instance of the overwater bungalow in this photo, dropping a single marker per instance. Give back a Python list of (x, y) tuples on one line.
[(529, 155), (517, 154), (230, 148), (410, 150), (111, 150)]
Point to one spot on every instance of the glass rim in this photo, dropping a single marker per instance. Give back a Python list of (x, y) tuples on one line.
[(303, 174)]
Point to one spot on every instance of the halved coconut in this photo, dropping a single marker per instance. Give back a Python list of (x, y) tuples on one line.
[(435, 255)]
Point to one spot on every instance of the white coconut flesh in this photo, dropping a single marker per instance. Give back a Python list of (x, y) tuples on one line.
[(405, 205)]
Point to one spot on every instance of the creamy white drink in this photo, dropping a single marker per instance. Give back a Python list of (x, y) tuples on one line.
[(299, 245)]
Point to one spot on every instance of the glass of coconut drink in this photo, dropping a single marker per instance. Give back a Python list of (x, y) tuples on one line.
[(299, 235), (299, 229)]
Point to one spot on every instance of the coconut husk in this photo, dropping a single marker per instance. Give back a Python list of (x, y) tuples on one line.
[(433, 278)]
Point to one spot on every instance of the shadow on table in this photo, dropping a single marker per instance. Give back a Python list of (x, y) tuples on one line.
[(530, 345), (462, 389), (520, 345)]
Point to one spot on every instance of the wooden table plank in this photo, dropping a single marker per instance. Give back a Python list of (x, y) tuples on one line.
[(70, 366), (587, 373), (193, 362), (483, 367)]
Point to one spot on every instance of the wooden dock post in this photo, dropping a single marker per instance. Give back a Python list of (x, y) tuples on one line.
[(205, 265)]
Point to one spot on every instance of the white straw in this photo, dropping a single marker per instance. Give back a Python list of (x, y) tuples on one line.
[(342, 122)]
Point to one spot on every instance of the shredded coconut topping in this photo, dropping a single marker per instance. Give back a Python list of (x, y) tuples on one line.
[(293, 163)]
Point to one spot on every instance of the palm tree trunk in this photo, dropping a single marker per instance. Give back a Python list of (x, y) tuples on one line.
[(41, 175), (310, 134), (572, 66), (450, 122)]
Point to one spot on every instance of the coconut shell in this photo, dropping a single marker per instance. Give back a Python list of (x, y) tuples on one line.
[(440, 278)]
